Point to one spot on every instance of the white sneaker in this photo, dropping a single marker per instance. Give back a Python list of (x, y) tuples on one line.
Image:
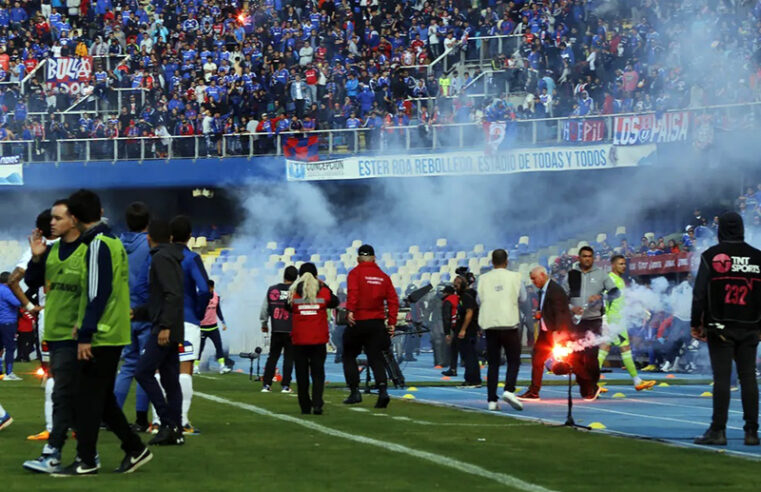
[(512, 400), (286, 389), (665, 367), (196, 370), (224, 370), (12, 377), (266, 389), (493, 406)]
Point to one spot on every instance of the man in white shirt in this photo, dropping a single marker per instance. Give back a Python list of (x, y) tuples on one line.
[(499, 292)]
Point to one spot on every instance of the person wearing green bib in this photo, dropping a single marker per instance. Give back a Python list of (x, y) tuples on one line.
[(102, 333), (58, 269), (617, 326)]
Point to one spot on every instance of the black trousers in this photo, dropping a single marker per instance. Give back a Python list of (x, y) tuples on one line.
[(25, 345), (467, 347), (165, 360), (738, 344), (510, 341), (454, 352), (540, 354), (65, 369), (216, 339), (586, 367), (310, 361), (280, 342), (370, 335), (96, 403)]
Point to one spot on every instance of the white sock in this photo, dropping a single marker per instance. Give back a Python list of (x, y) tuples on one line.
[(156, 419), (637, 380), (49, 385), (2, 411), (186, 384)]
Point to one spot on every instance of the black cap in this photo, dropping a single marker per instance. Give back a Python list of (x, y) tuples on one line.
[(366, 250)]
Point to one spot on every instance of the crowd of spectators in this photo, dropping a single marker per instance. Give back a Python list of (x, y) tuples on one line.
[(220, 67)]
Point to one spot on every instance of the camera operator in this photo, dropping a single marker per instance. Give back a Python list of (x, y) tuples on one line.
[(370, 295), (726, 311), (461, 329), (274, 310)]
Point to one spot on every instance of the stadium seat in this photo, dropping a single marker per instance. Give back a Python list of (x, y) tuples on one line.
[(621, 232), (581, 243), (289, 251), (413, 249), (478, 248), (601, 237), (272, 245), (434, 280), (573, 252), (355, 245), (523, 240), (650, 236), (200, 242), (441, 243)]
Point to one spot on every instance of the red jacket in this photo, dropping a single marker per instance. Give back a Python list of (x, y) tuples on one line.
[(370, 292), (310, 320)]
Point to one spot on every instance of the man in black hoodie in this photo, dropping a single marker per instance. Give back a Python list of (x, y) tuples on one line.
[(165, 313), (726, 312)]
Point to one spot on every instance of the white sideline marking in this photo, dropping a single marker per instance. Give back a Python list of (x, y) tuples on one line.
[(206, 377), (502, 478)]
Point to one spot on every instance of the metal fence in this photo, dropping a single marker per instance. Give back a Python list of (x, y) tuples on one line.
[(336, 142)]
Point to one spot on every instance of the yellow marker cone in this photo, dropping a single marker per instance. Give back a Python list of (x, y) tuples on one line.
[(601, 383), (500, 385), (597, 425), (409, 396), (619, 395), (412, 388), (706, 393), (664, 385)]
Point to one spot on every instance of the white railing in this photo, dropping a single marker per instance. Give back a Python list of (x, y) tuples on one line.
[(332, 142)]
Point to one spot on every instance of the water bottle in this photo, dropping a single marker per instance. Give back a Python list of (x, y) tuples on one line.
[(577, 317)]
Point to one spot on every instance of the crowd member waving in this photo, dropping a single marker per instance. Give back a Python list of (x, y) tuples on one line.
[(309, 300)]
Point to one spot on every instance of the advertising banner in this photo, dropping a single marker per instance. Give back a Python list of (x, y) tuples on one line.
[(11, 171)]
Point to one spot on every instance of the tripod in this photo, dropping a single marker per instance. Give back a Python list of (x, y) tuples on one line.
[(561, 368)]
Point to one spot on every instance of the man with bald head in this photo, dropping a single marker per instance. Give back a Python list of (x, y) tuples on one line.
[(554, 315)]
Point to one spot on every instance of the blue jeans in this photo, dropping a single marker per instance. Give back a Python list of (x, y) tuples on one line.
[(141, 331), (8, 342)]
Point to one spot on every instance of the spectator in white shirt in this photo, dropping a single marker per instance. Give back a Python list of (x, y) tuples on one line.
[(499, 292)]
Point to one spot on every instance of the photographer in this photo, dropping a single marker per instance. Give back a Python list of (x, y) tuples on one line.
[(274, 310), (309, 299), (371, 300), (726, 311)]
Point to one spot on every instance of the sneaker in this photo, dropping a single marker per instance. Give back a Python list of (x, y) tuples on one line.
[(168, 436), (649, 368), (12, 377), (449, 372), (48, 462), (190, 430), (266, 388), (595, 396), (512, 400), (666, 366), (493, 406), (529, 395), (6, 421), (132, 462), (77, 469), (286, 389), (153, 428), (317, 410), (644, 385), (383, 398), (41, 436), (138, 428), (196, 370), (712, 437), (470, 385), (224, 370)]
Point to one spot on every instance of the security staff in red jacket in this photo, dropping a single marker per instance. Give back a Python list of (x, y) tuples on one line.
[(371, 299), (309, 300)]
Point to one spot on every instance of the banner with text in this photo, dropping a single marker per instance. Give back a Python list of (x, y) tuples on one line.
[(663, 264), (651, 128), (591, 130), (71, 74), (11, 171), (589, 157)]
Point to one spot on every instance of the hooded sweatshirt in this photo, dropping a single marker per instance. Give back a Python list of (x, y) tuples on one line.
[(164, 307), (728, 284), (138, 255)]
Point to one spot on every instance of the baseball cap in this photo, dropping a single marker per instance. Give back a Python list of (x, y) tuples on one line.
[(366, 250)]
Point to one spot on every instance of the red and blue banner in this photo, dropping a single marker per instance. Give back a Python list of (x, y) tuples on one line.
[(651, 128), (71, 74), (588, 130), (302, 149)]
